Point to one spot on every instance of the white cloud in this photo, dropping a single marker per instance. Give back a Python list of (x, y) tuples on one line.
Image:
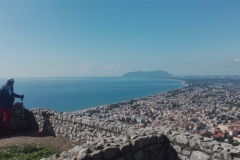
[(113, 66), (237, 60), (117, 66), (109, 66), (86, 68)]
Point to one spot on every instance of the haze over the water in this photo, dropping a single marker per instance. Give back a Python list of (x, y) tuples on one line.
[(111, 38)]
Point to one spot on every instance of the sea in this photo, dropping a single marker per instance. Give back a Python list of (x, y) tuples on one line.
[(79, 93)]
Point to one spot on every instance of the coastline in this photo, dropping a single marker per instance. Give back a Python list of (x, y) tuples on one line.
[(81, 94), (125, 101)]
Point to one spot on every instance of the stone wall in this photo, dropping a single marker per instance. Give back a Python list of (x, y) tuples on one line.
[(74, 128), (19, 119), (153, 147), (109, 141)]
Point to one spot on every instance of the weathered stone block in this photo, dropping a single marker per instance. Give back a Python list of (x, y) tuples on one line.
[(125, 149), (156, 147), (162, 154), (170, 154), (197, 155), (177, 148), (150, 156), (226, 155), (138, 156), (143, 142), (186, 152), (217, 148), (153, 139), (182, 157), (135, 145), (97, 155), (181, 139), (129, 156), (110, 152)]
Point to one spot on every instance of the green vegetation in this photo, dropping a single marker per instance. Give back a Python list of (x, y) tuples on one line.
[(25, 152), (149, 74), (207, 134), (230, 140), (114, 105)]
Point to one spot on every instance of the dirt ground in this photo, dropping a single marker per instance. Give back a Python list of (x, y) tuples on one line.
[(33, 137)]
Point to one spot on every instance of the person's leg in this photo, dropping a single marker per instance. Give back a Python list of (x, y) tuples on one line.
[(7, 114), (1, 119)]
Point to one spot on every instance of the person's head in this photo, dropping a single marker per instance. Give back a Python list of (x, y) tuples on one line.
[(10, 81)]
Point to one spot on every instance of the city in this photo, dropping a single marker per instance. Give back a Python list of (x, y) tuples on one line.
[(204, 106)]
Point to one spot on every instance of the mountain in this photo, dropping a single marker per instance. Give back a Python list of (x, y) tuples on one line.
[(149, 74)]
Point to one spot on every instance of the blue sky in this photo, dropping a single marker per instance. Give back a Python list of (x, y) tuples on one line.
[(110, 38)]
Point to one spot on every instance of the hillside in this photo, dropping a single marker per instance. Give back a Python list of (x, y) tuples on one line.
[(149, 74)]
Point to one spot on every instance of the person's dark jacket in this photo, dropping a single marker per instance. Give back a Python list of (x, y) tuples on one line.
[(8, 96)]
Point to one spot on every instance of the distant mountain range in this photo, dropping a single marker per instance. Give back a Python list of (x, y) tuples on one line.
[(149, 74)]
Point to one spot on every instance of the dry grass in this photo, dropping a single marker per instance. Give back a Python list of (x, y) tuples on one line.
[(33, 137)]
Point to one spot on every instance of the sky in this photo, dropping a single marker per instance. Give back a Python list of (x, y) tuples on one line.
[(40, 38)]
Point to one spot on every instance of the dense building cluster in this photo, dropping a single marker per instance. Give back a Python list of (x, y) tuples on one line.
[(199, 107)]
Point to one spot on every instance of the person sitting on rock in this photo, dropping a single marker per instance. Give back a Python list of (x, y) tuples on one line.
[(6, 104)]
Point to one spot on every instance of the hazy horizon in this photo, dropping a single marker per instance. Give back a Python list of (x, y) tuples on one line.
[(111, 38)]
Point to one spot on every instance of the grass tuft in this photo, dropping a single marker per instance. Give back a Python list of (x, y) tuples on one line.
[(25, 152)]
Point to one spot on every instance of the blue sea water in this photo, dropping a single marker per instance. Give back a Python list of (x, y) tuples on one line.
[(73, 94)]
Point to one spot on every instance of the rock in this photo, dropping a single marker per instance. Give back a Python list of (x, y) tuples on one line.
[(139, 155), (135, 145), (99, 146), (177, 148), (162, 154), (125, 139), (143, 142), (83, 154), (215, 142), (206, 139), (197, 155), (217, 148), (216, 155), (97, 155), (182, 157), (171, 138), (129, 156), (187, 133), (125, 149), (207, 145), (134, 137), (235, 151), (156, 147), (193, 144), (186, 152), (226, 146), (170, 154), (226, 155), (153, 139), (110, 152), (64, 154), (150, 156), (181, 139), (75, 149)]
